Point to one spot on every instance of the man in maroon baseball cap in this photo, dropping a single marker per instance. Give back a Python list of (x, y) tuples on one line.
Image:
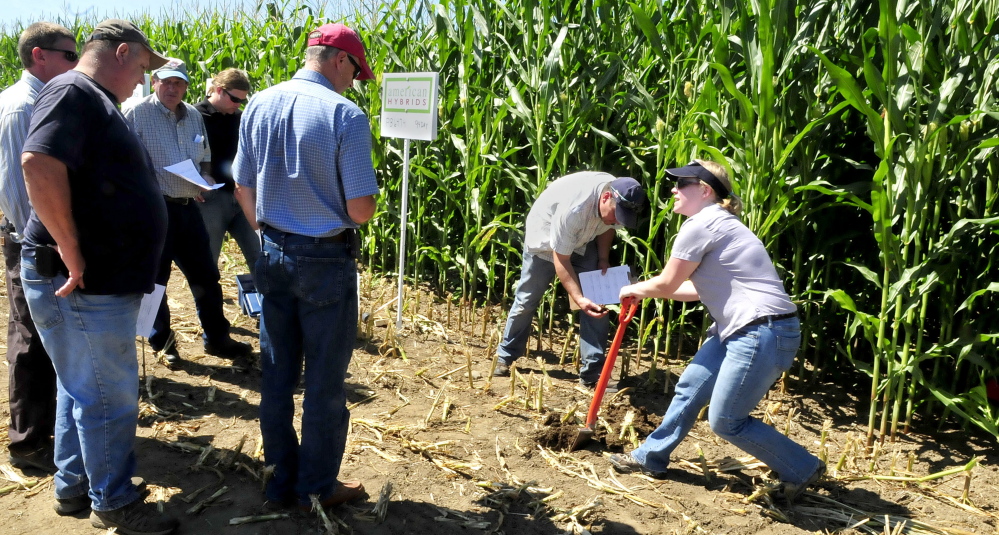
[(342, 37)]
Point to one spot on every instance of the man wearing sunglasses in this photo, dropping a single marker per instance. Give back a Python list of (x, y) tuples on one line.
[(221, 114), (46, 50), (570, 229), (173, 131)]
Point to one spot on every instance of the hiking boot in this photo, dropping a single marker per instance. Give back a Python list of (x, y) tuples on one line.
[(39, 459), (76, 504), (228, 348), (346, 491), (792, 491), (502, 370), (136, 518), (626, 464)]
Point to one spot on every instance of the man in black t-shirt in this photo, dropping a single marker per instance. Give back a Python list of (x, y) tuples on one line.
[(221, 212), (91, 249)]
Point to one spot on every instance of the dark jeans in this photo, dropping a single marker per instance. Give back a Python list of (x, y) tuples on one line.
[(222, 214), (187, 245), (309, 315), (32, 378)]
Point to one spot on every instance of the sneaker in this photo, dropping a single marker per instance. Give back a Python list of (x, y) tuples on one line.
[(76, 504), (136, 518), (346, 491), (502, 370), (39, 459), (609, 389), (228, 348), (792, 491), (171, 356), (626, 464)]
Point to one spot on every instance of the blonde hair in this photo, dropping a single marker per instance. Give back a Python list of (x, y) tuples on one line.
[(733, 204)]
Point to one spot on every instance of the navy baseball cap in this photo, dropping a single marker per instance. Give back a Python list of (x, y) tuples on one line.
[(629, 200)]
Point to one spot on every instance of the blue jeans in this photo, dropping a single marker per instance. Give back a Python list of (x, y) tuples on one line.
[(309, 314), (733, 376), (536, 276), (222, 214), (187, 245), (91, 341)]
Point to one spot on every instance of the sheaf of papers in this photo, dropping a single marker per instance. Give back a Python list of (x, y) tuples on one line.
[(604, 289), (189, 172), (147, 311)]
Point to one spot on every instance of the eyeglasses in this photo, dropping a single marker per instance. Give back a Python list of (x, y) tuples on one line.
[(70, 55), (235, 100), (625, 203), (686, 181), (357, 68)]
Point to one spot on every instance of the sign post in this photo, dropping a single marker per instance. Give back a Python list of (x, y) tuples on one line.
[(409, 111)]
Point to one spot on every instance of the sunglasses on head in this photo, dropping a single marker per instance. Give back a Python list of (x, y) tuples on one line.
[(70, 55), (686, 181), (625, 203), (234, 99)]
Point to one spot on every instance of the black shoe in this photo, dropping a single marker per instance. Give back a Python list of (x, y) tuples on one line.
[(39, 459), (502, 370), (228, 348), (76, 504), (171, 356), (792, 492), (136, 518), (626, 464)]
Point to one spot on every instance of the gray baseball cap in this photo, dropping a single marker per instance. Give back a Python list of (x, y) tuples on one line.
[(123, 30), (172, 68)]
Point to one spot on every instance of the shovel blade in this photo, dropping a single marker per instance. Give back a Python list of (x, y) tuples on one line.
[(582, 436)]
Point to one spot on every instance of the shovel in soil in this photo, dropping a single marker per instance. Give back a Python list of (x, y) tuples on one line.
[(585, 432)]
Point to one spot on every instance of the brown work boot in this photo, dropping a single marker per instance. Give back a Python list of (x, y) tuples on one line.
[(346, 491), (136, 518)]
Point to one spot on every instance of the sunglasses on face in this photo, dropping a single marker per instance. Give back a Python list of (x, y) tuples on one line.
[(357, 68), (70, 55), (686, 181), (625, 203), (235, 100)]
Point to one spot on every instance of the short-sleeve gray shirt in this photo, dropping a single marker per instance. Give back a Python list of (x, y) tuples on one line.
[(566, 215), (736, 280)]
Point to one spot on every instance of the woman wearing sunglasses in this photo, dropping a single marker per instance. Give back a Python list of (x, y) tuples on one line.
[(755, 336)]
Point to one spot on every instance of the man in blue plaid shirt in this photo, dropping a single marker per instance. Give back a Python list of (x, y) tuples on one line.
[(304, 176)]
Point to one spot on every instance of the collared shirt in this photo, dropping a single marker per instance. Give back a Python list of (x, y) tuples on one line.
[(566, 215), (735, 278), (16, 104), (170, 138), (306, 150)]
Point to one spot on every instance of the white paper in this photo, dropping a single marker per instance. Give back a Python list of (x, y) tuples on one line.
[(605, 289), (147, 311), (189, 172)]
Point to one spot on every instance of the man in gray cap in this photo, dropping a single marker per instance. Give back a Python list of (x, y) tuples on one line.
[(91, 248), (173, 131), (570, 229)]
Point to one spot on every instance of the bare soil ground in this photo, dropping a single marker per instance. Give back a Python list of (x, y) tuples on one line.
[(451, 452)]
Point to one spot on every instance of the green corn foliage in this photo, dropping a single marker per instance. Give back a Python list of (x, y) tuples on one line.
[(861, 137)]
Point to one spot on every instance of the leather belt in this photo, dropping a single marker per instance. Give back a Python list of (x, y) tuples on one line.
[(764, 319), (177, 200), (342, 237)]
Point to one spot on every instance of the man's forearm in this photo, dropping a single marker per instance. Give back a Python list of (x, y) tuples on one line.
[(567, 276)]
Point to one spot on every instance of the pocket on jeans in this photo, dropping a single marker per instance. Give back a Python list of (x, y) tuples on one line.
[(321, 281), (41, 298), (787, 349)]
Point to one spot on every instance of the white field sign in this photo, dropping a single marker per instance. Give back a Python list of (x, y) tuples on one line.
[(409, 105), (409, 111)]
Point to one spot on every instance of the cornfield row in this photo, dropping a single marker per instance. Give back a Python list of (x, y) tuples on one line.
[(862, 137)]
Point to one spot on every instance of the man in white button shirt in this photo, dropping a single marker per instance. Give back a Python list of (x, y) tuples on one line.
[(570, 229)]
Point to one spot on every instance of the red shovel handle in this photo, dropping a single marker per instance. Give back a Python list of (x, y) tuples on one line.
[(627, 312)]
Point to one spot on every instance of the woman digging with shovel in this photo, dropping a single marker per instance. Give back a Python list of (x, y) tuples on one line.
[(716, 259)]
